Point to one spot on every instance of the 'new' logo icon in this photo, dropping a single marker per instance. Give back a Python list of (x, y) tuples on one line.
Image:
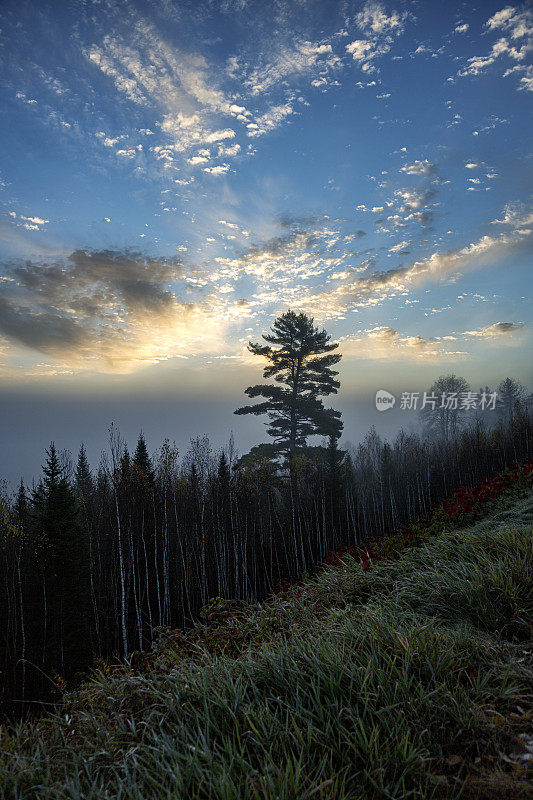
[(384, 400)]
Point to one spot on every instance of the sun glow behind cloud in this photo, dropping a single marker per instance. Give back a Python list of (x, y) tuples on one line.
[(112, 311), (221, 216)]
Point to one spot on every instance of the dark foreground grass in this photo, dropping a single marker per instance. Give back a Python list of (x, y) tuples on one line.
[(409, 680)]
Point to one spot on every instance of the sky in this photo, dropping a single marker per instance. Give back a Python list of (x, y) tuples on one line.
[(174, 175)]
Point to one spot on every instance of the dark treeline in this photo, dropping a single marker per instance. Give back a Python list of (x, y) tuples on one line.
[(91, 564)]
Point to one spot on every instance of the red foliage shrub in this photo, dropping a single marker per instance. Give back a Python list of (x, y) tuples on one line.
[(462, 507)]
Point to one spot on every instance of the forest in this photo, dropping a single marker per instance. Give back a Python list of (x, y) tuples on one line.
[(97, 563)]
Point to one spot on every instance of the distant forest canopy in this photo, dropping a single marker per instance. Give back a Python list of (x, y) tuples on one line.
[(93, 563)]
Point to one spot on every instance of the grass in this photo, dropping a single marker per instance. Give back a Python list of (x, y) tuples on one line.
[(409, 680)]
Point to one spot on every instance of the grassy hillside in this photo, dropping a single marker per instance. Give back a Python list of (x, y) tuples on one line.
[(409, 677)]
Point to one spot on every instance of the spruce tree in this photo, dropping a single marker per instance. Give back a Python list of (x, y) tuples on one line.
[(84, 479), (21, 504), (223, 471), (141, 460), (55, 519), (300, 359), (334, 481), (510, 394)]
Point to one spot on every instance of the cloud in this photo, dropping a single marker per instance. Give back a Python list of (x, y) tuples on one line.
[(526, 79), (293, 60), (191, 97), (270, 120), (117, 311), (278, 271), (497, 329), (516, 214), (414, 200), (374, 19), (399, 248), (518, 23), (380, 29), (219, 169), (492, 122), (419, 168), (386, 343), (108, 311), (147, 70), (229, 151), (410, 205), (462, 28), (181, 89), (518, 42), (218, 136), (108, 141), (371, 290), (29, 223), (365, 51)]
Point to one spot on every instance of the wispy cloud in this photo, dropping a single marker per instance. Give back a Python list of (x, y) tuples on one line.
[(385, 343), (516, 45), (497, 329), (29, 223), (292, 61), (150, 91), (373, 289), (424, 167), (380, 28), (179, 88)]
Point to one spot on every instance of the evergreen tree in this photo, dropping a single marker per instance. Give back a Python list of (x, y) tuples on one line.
[(102, 482), (142, 464), (335, 457), (124, 471), (55, 518), (223, 471), (510, 395), (205, 529), (335, 483), (301, 360), (125, 463), (83, 477), (21, 504)]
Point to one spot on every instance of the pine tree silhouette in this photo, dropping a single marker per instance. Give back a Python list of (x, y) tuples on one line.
[(302, 361)]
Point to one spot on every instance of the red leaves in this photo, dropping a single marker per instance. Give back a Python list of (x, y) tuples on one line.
[(466, 501), (460, 508), (364, 556), (336, 556)]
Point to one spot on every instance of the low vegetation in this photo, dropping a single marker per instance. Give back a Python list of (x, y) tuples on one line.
[(408, 676)]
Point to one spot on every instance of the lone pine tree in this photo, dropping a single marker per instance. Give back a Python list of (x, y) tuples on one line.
[(300, 359)]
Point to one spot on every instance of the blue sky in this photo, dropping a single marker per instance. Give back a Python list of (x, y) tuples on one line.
[(173, 175)]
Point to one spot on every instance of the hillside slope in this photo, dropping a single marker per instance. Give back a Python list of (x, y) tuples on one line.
[(408, 679)]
